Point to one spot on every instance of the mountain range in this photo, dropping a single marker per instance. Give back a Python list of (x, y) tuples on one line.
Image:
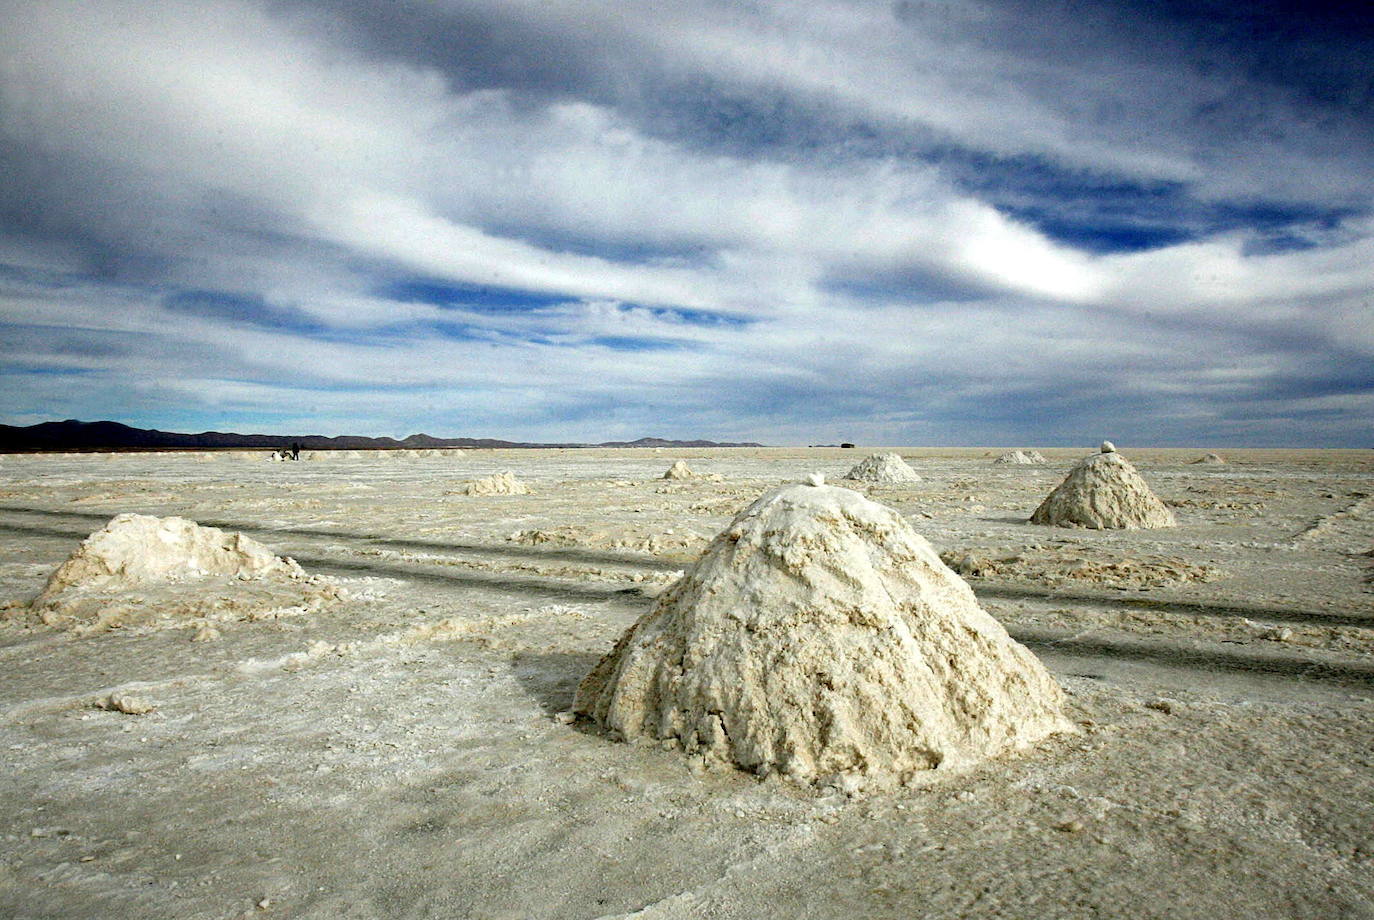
[(73, 435)]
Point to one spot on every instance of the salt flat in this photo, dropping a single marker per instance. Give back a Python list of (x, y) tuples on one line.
[(404, 752)]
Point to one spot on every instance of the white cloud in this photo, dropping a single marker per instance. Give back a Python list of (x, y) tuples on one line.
[(339, 147)]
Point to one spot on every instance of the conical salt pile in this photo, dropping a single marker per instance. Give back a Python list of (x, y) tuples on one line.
[(1103, 492), (679, 470), (1210, 459), (820, 635), (139, 568), (1021, 458), (883, 468)]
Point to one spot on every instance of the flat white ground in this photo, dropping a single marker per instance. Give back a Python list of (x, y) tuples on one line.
[(401, 754)]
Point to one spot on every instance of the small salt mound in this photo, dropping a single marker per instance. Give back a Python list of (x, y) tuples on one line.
[(1212, 459), (1021, 458), (679, 470), (1103, 492), (883, 468), (820, 635), (500, 484), (139, 568)]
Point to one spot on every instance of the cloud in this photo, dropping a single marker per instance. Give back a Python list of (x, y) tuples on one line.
[(1194, 93), (788, 222)]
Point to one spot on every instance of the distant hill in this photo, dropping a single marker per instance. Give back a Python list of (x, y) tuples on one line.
[(659, 442), (73, 435)]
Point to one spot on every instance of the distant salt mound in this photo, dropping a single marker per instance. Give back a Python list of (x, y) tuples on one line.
[(1210, 459), (1021, 458), (819, 635), (139, 569), (1103, 492), (883, 468), (500, 484), (680, 470)]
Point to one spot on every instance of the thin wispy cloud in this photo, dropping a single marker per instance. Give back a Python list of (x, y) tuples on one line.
[(901, 222)]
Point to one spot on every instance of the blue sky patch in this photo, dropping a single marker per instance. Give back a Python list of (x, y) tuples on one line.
[(480, 298)]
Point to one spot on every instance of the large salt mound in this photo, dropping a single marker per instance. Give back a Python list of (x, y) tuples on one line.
[(820, 635), (139, 569), (500, 484), (1021, 458), (883, 468), (1103, 492), (1212, 459)]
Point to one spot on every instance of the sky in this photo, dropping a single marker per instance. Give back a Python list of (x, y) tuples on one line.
[(904, 223)]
